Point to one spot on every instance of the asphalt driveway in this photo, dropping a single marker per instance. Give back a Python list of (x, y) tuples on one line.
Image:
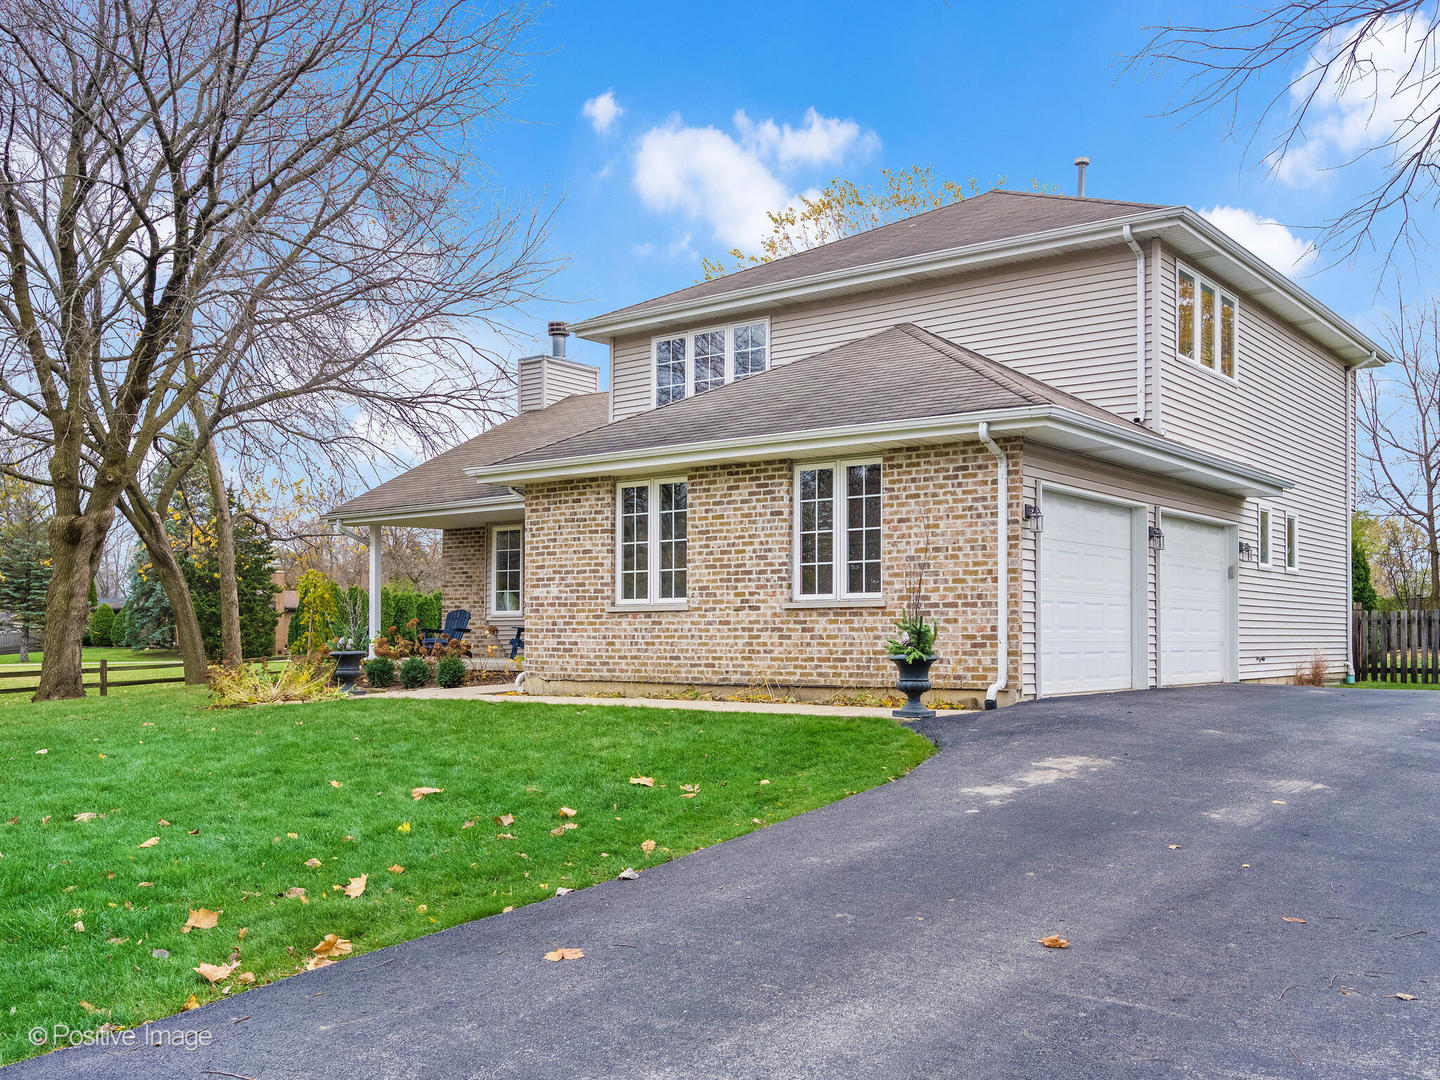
[(1166, 834)]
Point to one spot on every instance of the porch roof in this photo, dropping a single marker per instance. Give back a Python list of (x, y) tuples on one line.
[(901, 386)]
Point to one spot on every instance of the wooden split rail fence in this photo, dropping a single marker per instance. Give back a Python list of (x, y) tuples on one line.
[(116, 674), (1397, 646)]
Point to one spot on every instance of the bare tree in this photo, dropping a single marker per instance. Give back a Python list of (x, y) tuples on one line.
[(180, 177), (1357, 81), (1399, 416), (1402, 557)]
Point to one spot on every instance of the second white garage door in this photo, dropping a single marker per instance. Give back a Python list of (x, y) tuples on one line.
[(1194, 586), (1086, 602)]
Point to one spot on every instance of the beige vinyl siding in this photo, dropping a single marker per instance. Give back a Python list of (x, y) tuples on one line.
[(1286, 414), (544, 380), (1047, 465), (1069, 321)]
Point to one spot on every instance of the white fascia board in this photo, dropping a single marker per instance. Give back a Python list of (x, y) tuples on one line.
[(1135, 449), (405, 515)]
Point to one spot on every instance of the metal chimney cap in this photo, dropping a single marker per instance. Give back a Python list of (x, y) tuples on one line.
[(559, 328), (1082, 161)]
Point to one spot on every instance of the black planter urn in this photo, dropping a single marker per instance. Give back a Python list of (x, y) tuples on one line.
[(914, 681), (347, 668)]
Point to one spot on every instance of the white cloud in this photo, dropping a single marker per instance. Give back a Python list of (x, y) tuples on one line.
[(602, 111), (1266, 237), (1394, 71), (730, 182)]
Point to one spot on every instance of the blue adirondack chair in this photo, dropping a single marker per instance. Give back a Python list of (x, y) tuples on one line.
[(456, 624)]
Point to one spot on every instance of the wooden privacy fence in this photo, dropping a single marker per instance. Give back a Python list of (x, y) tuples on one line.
[(1397, 646)]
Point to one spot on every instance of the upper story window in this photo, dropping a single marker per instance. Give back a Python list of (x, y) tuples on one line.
[(1264, 534), (651, 538), (701, 360), (1206, 322), (837, 530)]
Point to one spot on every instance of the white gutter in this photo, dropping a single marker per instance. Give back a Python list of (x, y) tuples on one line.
[(1139, 323), (399, 515), (1002, 566)]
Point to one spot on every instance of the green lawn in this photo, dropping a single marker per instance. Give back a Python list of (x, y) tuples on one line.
[(94, 656), (241, 799), (1370, 684)]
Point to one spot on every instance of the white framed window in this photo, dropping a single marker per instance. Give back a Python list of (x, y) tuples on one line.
[(1263, 536), (1207, 323), (699, 360), (507, 570), (651, 539), (1292, 542), (837, 530)]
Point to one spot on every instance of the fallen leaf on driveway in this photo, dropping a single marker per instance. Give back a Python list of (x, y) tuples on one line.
[(1054, 941), (643, 781), (204, 919), (1174, 847), (150, 843), (628, 874), (213, 973), (1291, 918), (356, 886), (557, 955), (419, 793), (565, 811), (1405, 997), (504, 819)]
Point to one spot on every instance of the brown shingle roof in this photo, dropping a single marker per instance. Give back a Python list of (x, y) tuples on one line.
[(995, 215), (441, 481), (901, 373)]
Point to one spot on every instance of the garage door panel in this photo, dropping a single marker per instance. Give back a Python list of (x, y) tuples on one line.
[(1195, 630), (1086, 609)]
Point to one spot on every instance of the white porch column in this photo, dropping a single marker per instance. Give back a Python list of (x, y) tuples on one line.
[(375, 547)]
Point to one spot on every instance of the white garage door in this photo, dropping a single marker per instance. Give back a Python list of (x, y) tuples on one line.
[(1194, 591), (1086, 607)]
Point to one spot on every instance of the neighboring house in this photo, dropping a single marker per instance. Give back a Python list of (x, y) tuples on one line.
[(1140, 428), (287, 600)]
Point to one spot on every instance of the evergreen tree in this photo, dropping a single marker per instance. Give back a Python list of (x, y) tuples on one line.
[(102, 626), (254, 565), (24, 579), (149, 622), (1362, 589)]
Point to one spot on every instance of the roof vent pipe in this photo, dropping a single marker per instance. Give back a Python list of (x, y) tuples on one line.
[(559, 331), (1080, 164)]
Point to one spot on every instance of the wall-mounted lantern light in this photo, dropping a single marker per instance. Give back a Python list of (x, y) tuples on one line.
[(1247, 552), (1032, 518), (1157, 538)]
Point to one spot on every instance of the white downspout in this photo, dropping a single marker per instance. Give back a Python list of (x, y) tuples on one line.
[(1139, 323), (1351, 405), (1002, 565), (374, 601)]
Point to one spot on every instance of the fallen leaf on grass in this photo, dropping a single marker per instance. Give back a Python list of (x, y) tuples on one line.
[(643, 781), (690, 790), (144, 884), (240, 936), (1291, 918), (628, 874), (559, 830), (648, 846), (1054, 941), (397, 869), (149, 843), (160, 954), (501, 819), (203, 919), (88, 815), (504, 836), (336, 783), (560, 890), (117, 940), (192, 1002), (87, 1006), (332, 945), (163, 823), (193, 832), (312, 863), (404, 827), (214, 973), (557, 955), (356, 886), (295, 892), (246, 977), (79, 928), (420, 792)]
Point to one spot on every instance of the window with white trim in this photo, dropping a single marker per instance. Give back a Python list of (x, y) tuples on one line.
[(651, 539), (1263, 531), (507, 543), (701, 360), (1206, 322), (1292, 541), (837, 530)]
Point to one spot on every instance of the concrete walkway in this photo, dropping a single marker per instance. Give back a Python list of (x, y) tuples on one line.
[(1246, 876)]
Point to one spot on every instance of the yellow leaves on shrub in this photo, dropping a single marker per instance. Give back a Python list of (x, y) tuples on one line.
[(356, 886), (203, 919), (1054, 941), (643, 781), (565, 811), (214, 973), (149, 843), (420, 792), (556, 955)]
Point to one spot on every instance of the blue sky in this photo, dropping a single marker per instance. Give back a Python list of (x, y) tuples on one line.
[(971, 91)]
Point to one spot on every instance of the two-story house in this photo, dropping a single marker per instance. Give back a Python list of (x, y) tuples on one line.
[(1120, 445)]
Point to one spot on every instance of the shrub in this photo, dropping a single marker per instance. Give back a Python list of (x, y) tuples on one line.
[(427, 610), (405, 604), (449, 671), (414, 673), (102, 626), (1314, 672), (380, 672), (302, 679), (316, 613)]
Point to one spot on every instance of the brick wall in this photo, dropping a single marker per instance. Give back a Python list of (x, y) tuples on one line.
[(463, 560), (740, 628)]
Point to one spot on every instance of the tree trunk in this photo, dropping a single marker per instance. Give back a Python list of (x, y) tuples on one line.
[(230, 644), (75, 543), (151, 528)]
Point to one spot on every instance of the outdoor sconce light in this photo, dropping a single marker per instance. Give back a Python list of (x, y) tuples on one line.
[(1032, 518), (1247, 552), (1157, 538)]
